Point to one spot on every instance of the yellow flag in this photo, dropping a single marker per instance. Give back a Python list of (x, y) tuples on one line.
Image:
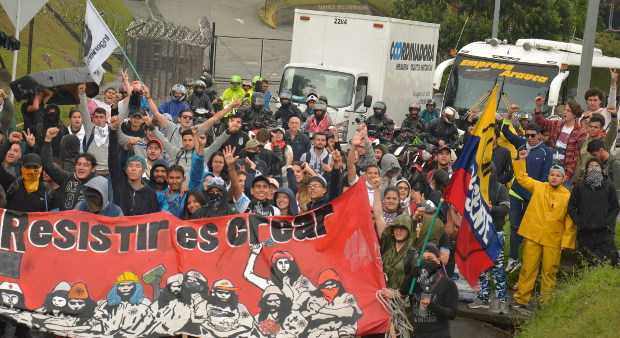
[(485, 130)]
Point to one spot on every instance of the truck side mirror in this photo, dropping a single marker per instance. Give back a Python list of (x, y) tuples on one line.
[(368, 101)]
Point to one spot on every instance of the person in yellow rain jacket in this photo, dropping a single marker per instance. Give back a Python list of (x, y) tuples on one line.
[(234, 92), (546, 230)]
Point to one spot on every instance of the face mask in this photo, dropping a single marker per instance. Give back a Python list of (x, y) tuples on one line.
[(594, 177), (329, 293), (198, 90), (214, 196), (431, 267), (31, 178)]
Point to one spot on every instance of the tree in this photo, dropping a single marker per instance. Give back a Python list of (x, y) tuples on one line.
[(543, 19)]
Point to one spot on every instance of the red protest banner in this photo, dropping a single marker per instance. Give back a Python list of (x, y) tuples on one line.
[(81, 275)]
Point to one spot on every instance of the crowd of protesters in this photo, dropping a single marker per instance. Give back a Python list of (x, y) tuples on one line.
[(200, 154)]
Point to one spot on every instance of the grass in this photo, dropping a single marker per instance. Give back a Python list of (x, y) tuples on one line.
[(269, 15), (585, 305), (386, 7), (53, 46)]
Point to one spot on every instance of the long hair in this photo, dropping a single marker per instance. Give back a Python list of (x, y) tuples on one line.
[(137, 296), (284, 310), (199, 196), (224, 173), (166, 296), (277, 276), (232, 302), (50, 296)]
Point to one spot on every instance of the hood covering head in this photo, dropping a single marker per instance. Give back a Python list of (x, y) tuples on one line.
[(69, 148), (51, 117), (293, 207), (156, 164), (389, 162), (403, 221), (100, 184)]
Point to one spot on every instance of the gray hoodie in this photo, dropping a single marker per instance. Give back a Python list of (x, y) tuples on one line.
[(100, 184)]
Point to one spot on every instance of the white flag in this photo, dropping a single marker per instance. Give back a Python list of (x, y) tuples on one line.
[(99, 42)]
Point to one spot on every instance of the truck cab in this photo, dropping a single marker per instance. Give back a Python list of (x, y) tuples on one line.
[(345, 89), (529, 68)]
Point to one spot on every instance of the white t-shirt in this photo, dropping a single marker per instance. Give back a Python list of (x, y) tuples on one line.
[(561, 143)]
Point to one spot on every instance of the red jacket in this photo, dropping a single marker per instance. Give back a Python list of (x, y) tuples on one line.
[(575, 139)]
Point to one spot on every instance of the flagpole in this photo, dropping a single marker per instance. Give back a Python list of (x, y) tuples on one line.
[(133, 68)]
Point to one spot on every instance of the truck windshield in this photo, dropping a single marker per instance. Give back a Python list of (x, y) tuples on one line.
[(473, 78), (337, 87)]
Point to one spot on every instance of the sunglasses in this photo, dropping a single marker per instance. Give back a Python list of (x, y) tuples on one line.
[(530, 135)]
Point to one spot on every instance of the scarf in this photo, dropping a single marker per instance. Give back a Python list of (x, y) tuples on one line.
[(31, 178), (80, 135), (262, 208), (389, 217), (101, 135), (315, 161), (315, 127), (594, 177)]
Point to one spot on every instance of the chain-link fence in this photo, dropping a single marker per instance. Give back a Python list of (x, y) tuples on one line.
[(165, 54)]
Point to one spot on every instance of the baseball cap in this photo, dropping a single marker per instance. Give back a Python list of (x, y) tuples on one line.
[(31, 160), (259, 178), (252, 143), (319, 179)]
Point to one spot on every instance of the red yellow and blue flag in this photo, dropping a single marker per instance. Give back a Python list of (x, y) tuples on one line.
[(478, 244)]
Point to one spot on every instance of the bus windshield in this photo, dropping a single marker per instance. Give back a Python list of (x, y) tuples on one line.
[(337, 87), (473, 78)]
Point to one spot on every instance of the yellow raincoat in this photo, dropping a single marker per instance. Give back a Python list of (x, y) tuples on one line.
[(546, 230)]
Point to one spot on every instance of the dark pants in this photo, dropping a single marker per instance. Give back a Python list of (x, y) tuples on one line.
[(598, 247), (517, 209)]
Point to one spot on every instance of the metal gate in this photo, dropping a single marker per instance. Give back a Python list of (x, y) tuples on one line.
[(165, 54), (247, 57)]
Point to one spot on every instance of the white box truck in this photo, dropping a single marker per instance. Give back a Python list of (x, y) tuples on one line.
[(347, 57)]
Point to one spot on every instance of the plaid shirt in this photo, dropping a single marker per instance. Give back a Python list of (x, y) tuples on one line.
[(573, 145)]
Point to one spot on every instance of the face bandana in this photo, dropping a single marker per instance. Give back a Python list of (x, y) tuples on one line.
[(330, 293), (31, 178), (594, 177)]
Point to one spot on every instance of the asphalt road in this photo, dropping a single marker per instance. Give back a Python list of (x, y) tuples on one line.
[(235, 18)]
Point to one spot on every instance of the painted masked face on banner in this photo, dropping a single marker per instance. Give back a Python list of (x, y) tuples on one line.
[(283, 265), (76, 304), (125, 289)]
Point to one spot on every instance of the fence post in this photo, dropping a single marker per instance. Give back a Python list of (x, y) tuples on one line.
[(212, 51), (262, 46)]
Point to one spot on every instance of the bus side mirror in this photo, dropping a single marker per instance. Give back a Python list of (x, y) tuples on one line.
[(368, 101)]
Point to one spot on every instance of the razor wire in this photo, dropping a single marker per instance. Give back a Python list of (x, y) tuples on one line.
[(160, 30)]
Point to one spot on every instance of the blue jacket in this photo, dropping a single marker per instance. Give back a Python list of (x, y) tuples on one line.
[(537, 163), (174, 108), (173, 203)]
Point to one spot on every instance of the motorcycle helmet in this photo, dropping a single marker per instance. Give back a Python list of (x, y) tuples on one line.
[(235, 80), (449, 114), (207, 79), (180, 89), (379, 108), (414, 106), (200, 83)]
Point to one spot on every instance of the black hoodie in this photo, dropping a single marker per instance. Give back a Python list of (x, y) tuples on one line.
[(70, 191), (49, 120), (69, 151), (133, 202), (151, 183)]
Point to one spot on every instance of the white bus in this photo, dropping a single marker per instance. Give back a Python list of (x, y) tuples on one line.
[(530, 67)]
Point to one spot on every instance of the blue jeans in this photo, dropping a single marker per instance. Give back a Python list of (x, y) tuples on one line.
[(517, 209)]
